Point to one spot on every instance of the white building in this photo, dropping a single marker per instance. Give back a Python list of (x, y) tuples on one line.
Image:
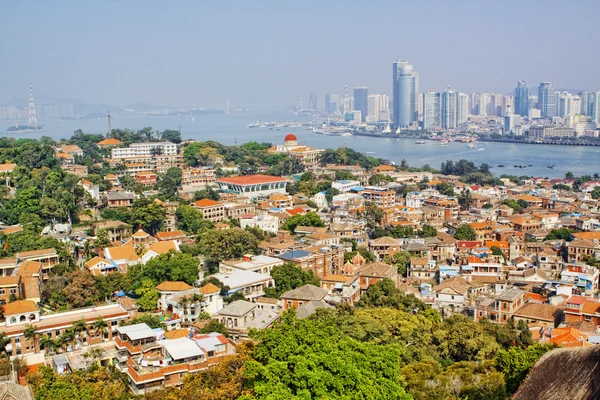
[(253, 186), (258, 264), (250, 284), (345, 185), (144, 150), (320, 200), (268, 223)]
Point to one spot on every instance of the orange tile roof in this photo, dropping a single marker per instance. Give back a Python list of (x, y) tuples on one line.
[(587, 235), (251, 179), (535, 296), (528, 197), (170, 286), (501, 244), (177, 334), (334, 278), (7, 167), (109, 142), (9, 281), (10, 230), (126, 252), (590, 306), (95, 261), (166, 235), (19, 307), (209, 288), (206, 203), (163, 247), (35, 253), (140, 233), (30, 267)]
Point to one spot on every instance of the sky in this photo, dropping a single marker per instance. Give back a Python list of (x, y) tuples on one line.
[(185, 53)]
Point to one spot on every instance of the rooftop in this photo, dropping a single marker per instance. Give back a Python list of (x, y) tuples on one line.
[(251, 179)]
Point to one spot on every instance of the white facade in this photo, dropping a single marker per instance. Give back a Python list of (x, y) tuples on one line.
[(267, 223), (320, 200), (431, 110), (144, 150), (345, 185)]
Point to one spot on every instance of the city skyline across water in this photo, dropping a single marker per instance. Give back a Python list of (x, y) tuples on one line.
[(230, 129)]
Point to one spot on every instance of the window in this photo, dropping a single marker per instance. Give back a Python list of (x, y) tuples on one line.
[(452, 297), (13, 290), (2, 291)]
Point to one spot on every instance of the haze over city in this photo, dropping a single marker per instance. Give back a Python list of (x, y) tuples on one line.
[(271, 53)]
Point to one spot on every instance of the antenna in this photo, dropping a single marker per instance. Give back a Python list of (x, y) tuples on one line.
[(346, 91), (109, 127), (227, 108), (32, 115), (301, 103)]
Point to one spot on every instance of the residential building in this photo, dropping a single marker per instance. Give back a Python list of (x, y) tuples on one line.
[(249, 262), (240, 316), (522, 99), (250, 284), (144, 150), (299, 296), (547, 100), (253, 186), (213, 211)]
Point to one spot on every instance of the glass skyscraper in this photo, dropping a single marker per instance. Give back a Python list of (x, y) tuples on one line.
[(547, 100), (405, 94), (361, 102), (522, 99)]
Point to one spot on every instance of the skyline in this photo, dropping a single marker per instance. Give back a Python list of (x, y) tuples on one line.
[(204, 53)]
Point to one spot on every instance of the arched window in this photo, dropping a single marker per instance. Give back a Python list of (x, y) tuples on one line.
[(13, 320), (22, 318), (31, 317)]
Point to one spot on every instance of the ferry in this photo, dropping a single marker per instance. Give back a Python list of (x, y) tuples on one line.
[(420, 142), (24, 128)]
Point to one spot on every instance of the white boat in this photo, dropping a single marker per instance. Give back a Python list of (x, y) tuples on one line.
[(443, 142), (346, 134), (472, 145), (387, 129)]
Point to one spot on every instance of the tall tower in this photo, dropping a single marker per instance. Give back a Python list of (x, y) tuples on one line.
[(32, 114), (109, 127), (449, 112), (547, 99), (361, 102), (522, 99), (405, 93)]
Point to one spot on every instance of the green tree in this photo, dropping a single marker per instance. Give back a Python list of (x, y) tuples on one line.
[(167, 267), (289, 362), (148, 214), (385, 294), (153, 321), (401, 260), (102, 240), (148, 295), (465, 199), (226, 244), (169, 183), (308, 219), (515, 363), (428, 231), (289, 276), (30, 332), (465, 232), (171, 135), (190, 219), (559, 234)]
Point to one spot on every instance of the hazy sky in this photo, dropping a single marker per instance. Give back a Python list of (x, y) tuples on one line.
[(270, 52)]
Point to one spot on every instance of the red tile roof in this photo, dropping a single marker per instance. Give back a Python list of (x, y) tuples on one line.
[(251, 179)]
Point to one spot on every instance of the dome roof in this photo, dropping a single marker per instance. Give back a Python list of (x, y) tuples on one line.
[(290, 137)]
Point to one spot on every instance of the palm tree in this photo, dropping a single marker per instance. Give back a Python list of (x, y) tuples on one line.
[(3, 342), (68, 337), (46, 342), (99, 326), (78, 327), (30, 332)]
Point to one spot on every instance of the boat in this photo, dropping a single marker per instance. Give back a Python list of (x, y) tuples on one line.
[(24, 128), (346, 134), (472, 145), (443, 142), (255, 125), (419, 142), (550, 166), (370, 152), (501, 165), (480, 149)]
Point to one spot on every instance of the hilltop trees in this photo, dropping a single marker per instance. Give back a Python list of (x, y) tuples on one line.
[(465, 232)]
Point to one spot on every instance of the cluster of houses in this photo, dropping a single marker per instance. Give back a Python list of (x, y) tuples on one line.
[(510, 270)]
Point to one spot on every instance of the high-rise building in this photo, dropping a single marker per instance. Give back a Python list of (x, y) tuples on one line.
[(405, 94), (361, 102), (449, 111), (312, 101), (482, 103), (508, 104), (547, 100), (431, 110), (332, 104), (585, 109), (378, 103), (594, 106), (497, 103), (521, 99), (462, 107)]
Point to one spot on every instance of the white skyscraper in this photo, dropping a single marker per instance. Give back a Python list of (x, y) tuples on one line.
[(485, 102), (376, 104), (462, 107), (449, 109), (431, 110)]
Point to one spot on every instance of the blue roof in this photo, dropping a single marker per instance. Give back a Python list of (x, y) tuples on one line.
[(357, 189), (290, 255)]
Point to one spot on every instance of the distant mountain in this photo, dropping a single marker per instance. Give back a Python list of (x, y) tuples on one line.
[(140, 106), (80, 107)]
